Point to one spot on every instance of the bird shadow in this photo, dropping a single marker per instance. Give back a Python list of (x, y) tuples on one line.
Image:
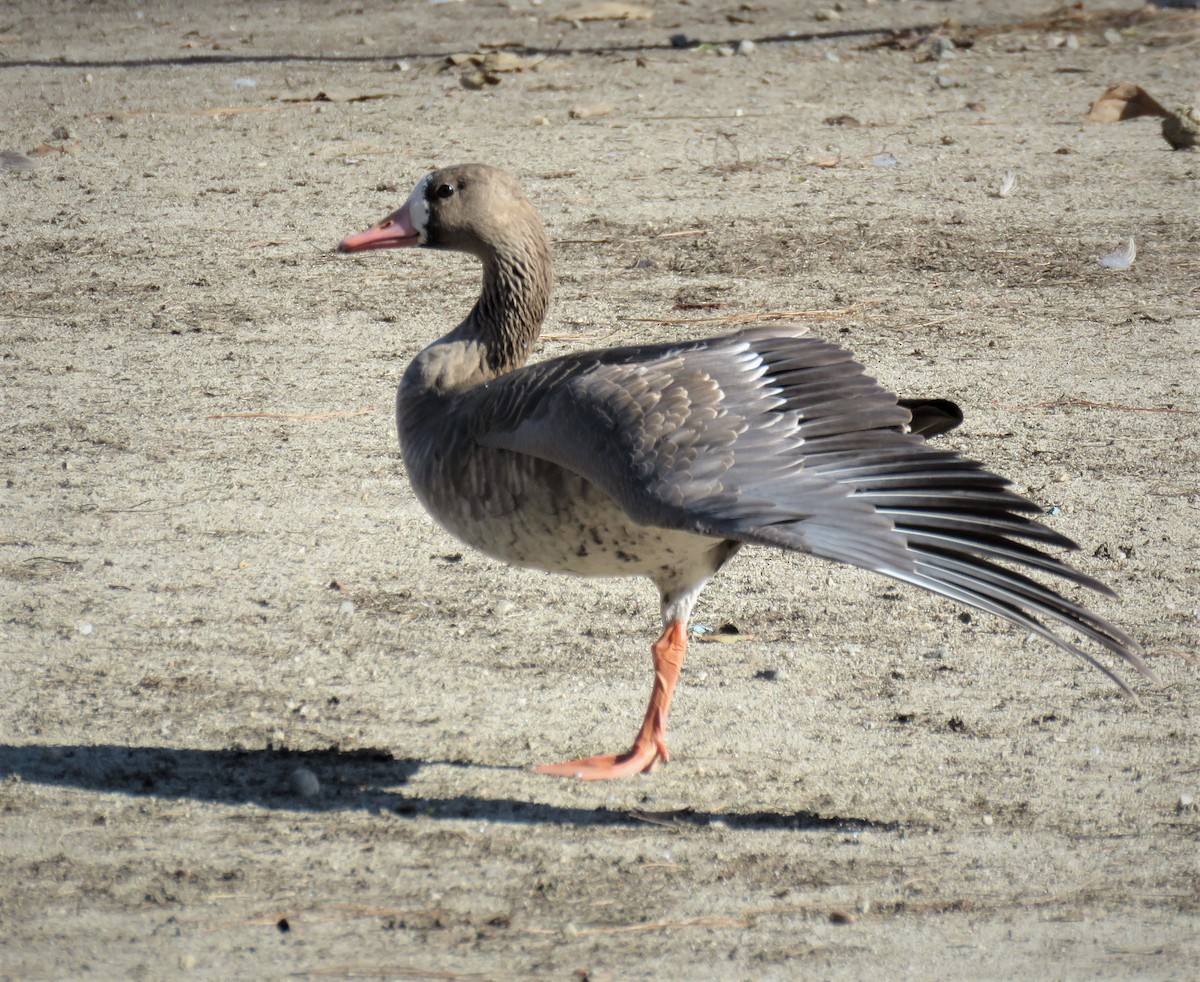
[(368, 780)]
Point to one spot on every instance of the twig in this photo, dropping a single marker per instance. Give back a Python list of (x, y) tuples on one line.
[(766, 315), (345, 412), (1088, 404), (713, 116), (651, 926), (933, 323), (1153, 949), (234, 110), (391, 971)]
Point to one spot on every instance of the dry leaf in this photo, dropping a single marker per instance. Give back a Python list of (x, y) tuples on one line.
[(506, 61), (606, 11), (592, 109), (1124, 101), (495, 61), (46, 149), (726, 638)]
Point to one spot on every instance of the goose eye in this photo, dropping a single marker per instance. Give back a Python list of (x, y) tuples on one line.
[(443, 191)]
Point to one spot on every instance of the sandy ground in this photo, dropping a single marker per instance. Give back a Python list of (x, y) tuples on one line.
[(215, 762)]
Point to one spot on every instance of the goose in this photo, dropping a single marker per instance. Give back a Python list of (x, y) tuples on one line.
[(664, 460)]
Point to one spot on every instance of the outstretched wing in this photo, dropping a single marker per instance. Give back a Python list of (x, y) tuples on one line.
[(771, 437)]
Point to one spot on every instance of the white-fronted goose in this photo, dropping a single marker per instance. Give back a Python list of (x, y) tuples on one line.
[(663, 460)]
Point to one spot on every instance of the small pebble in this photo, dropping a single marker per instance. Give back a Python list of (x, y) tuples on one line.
[(827, 15), (305, 783), (1181, 129), (346, 606), (988, 820), (1186, 803), (746, 47), (941, 47), (502, 607)]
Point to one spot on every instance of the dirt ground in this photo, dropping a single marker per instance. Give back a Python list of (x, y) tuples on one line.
[(260, 718)]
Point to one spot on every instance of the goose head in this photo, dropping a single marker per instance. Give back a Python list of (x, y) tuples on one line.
[(472, 208)]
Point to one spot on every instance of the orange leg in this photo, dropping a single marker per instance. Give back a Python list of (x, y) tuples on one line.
[(651, 741)]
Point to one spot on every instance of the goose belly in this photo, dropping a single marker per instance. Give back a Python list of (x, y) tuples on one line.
[(533, 513)]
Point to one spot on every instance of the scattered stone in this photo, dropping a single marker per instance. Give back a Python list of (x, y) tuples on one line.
[(305, 783), (1181, 129), (941, 47), (478, 79), (346, 607), (746, 48), (592, 109)]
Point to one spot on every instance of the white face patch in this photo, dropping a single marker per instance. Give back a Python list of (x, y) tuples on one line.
[(418, 208)]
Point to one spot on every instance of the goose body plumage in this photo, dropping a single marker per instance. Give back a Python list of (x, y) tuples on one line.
[(663, 460)]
